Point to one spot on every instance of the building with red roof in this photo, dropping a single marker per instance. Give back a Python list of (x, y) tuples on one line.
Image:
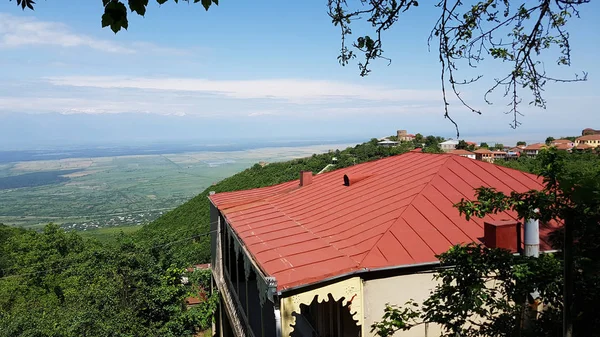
[(534, 149), (341, 245), (589, 131), (463, 153), (484, 154), (592, 141)]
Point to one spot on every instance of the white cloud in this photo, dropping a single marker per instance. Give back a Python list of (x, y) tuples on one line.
[(295, 90), (19, 31), (262, 113)]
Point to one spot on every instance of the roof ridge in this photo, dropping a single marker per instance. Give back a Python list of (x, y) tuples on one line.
[(434, 175)]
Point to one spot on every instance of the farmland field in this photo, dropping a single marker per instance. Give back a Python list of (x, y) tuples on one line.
[(90, 193)]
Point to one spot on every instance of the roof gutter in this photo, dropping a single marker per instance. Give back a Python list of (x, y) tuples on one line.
[(432, 265), (360, 272)]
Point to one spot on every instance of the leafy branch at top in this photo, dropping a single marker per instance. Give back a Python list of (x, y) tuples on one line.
[(115, 11), (512, 34)]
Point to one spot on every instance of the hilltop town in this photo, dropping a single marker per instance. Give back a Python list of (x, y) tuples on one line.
[(588, 141)]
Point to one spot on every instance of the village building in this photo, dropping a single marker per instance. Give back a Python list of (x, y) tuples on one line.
[(403, 136), (533, 149), (387, 143), (322, 255), (589, 131), (484, 154), (463, 153), (448, 145), (592, 141)]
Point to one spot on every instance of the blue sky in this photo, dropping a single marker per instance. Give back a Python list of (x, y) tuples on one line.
[(260, 69)]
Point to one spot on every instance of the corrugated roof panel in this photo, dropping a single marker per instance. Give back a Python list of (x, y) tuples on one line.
[(392, 251), (401, 213), (355, 232), (414, 245), (427, 231), (360, 247), (444, 204), (450, 230)]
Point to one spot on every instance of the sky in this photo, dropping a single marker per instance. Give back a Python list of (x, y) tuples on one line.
[(251, 70)]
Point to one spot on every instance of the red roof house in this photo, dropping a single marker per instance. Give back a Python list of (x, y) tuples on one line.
[(388, 213)]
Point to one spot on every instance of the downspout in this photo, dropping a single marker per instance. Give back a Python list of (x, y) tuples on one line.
[(272, 296)]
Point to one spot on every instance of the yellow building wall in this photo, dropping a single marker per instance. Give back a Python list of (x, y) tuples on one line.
[(397, 290), (592, 143), (349, 289)]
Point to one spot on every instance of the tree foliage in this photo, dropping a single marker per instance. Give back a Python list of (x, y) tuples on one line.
[(487, 292), (55, 283), (482, 292), (465, 34), (116, 11)]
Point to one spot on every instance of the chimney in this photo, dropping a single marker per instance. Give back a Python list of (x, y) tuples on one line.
[(502, 234), (305, 178), (532, 237), (352, 179)]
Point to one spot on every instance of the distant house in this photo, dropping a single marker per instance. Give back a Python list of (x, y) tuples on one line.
[(533, 149), (582, 146), (387, 143), (201, 295), (499, 154), (589, 131), (463, 153), (513, 153), (403, 136), (563, 141), (321, 256), (448, 145), (592, 141), (484, 154)]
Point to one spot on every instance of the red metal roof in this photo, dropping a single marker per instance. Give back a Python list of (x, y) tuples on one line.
[(536, 146), (401, 212), (461, 152)]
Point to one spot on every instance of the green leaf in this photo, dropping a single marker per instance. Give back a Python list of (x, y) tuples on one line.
[(206, 4), (106, 20), (160, 2), (115, 15), (105, 2), (138, 6)]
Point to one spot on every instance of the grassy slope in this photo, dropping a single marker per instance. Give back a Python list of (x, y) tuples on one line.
[(177, 236)]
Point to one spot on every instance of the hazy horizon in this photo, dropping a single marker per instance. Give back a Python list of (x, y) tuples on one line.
[(66, 81)]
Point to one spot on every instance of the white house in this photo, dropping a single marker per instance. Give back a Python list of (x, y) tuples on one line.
[(448, 145)]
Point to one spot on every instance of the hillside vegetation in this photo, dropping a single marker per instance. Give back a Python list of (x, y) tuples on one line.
[(186, 225), (57, 283)]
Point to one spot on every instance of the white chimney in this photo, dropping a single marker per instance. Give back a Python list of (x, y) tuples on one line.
[(532, 237)]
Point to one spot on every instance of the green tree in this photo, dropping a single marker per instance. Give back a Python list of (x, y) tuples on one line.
[(499, 146), (519, 143), (484, 145), (462, 145), (116, 13), (572, 195), (464, 34), (549, 140)]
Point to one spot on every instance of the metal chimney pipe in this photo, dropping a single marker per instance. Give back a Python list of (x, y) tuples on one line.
[(532, 237)]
